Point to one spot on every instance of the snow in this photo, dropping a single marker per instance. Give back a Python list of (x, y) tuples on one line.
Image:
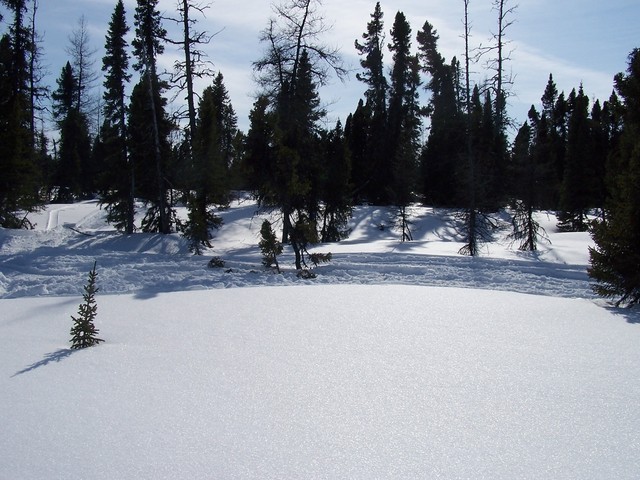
[(398, 361)]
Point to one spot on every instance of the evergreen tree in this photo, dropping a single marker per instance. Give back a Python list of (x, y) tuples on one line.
[(526, 182), (83, 332), (576, 196), (615, 261), (371, 168), (269, 246), (19, 174), (295, 63), (147, 45), (444, 149), (74, 143), (335, 186), (214, 147), (259, 150), (404, 121), (359, 140), (144, 158), (118, 181)]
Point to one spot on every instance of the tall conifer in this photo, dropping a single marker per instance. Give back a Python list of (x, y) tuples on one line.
[(118, 181), (615, 260)]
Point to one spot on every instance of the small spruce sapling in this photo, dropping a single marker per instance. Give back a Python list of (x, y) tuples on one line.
[(270, 246), (83, 332)]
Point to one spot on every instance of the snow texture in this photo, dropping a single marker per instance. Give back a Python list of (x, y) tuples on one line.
[(381, 367)]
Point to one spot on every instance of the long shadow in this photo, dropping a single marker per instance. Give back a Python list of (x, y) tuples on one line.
[(630, 314), (56, 356)]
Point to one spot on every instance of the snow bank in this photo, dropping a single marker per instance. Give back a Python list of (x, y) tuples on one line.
[(55, 260)]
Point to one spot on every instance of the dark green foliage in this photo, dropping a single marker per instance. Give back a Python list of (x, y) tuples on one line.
[(525, 186), (441, 155), (367, 130), (148, 117), (269, 246), (335, 186), (317, 258), (213, 153), (151, 177), (577, 192), (117, 181), (615, 261), (74, 150), (284, 145), (403, 123), (83, 332), (19, 173)]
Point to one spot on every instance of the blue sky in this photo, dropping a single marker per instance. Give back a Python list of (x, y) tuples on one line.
[(584, 41)]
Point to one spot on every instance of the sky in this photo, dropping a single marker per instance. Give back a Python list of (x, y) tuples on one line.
[(580, 42)]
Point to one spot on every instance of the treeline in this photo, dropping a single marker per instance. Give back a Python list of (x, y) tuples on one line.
[(571, 155)]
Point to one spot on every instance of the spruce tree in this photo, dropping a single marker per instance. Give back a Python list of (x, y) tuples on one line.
[(526, 177), (147, 45), (372, 167), (357, 132), (213, 153), (576, 196), (75, 143), (269, 246), (19, 174), (259, 151), (441, 155), (335, 186), (83, 332), (117, 180), (404, 122), (615, 260), (292, 68), (143, 156)]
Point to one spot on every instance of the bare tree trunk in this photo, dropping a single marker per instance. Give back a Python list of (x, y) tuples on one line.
[(188, 70), (471, 248), (32, 80)]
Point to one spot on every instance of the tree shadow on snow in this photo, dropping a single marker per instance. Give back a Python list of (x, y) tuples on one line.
[(631, 315), (56, 356)]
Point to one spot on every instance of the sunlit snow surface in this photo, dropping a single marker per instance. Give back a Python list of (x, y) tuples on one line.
[(381, 367)]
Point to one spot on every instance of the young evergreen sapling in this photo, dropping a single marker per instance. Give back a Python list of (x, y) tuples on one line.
[(83, 332), (270, 246)]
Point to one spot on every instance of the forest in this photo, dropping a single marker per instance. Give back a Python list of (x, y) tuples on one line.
[(573, 156)]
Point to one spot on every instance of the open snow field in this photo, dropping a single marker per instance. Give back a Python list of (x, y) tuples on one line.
[(398, 361)]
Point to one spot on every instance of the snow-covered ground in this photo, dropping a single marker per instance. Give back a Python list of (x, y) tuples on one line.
[(398, 361)]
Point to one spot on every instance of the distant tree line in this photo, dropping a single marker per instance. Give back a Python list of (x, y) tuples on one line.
[(572, 156)]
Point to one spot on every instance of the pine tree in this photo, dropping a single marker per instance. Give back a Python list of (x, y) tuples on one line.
[(615, 261), (357, 132), (213, 153), (370, 167), (295, 63), (74, 143), (19, 174), (117, 179), (404, 122), (147, 45), (441, 155), (526, 180), (259, 151), (143, 156), (576, 196), (83, 332), (269, 246), (335, 186)]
